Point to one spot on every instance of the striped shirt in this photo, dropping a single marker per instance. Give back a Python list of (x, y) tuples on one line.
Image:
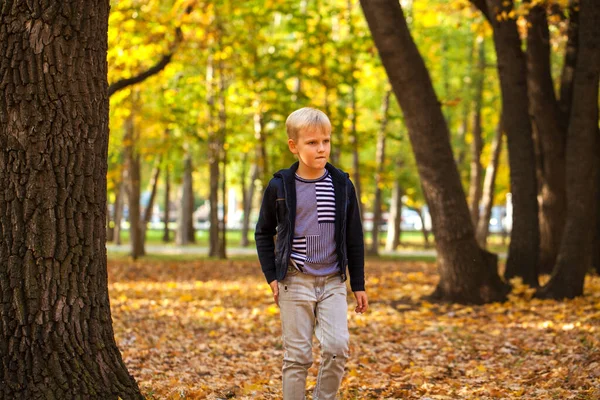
[(313, 246)]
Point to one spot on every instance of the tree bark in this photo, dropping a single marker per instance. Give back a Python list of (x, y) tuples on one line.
[(132, 163), (523, 253), (247, 199), (223, 150), (185, 208), (153, 189), (475, 187), (57, 339), (545, 116), (575, 254), (352, 82), (568, 72), (468, 274), (167, 203), (380, 161), (394, 233), (123, 193), (483, 225)]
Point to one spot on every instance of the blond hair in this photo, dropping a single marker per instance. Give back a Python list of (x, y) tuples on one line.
[(306, 118)]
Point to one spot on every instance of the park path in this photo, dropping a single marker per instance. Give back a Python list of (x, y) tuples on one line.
[(241, 251)]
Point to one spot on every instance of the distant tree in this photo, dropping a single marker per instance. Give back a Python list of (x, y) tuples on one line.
[(57, 340)]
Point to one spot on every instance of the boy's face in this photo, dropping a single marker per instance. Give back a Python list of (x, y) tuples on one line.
[(312, 146)]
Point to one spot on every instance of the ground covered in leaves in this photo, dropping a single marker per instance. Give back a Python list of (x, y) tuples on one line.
[(208, 329)]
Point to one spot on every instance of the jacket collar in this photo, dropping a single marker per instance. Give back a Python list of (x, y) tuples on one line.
[(288, 174)]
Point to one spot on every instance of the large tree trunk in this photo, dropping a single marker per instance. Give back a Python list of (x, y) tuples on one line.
[(568, 72), (56, 340), (380, 161), (475, 188), (468, 274), (545, 115), (487, 201), (394, 232), (575, 254), (132, 164), (523, 253)]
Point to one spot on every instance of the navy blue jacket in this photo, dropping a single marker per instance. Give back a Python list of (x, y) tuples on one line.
[(278, 216)]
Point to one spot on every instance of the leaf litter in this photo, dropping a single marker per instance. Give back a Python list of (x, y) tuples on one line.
[(208, 329)]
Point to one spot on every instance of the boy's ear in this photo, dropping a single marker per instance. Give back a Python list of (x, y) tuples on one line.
[(292, 146)]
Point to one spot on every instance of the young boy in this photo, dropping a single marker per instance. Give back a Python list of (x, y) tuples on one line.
[(312, 209)]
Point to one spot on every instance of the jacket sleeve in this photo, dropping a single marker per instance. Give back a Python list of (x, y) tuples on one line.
[(265, 232), (355, 243)]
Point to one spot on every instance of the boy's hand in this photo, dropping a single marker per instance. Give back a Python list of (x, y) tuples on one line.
[(362, 302), (275, 290)]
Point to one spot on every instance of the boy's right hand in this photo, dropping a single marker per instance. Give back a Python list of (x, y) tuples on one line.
[(275, 290)]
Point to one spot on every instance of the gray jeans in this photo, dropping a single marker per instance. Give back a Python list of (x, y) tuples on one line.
[(312, 303)]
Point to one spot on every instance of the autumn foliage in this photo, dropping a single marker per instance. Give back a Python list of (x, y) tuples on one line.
[(208, 329)]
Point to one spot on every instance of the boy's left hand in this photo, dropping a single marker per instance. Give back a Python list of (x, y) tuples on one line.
[(362, 302)]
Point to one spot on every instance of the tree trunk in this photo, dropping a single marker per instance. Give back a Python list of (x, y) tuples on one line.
[(352, 82), (380, 161), (424, 229), (57, 340), (523, 253), (185, 208), (394, 232), (189, 217), (119, 206), (545, 115), (568, 72), (214, 156), (247, 199), (153, 188), (483, 225), (575, 254), (468, 274), (132, 163), (223, 151), (112, 226), (475, 189), (167, 203)]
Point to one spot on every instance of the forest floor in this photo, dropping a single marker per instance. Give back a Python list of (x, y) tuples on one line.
[(208, 329)]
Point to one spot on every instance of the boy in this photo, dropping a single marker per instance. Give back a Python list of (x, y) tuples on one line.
[(312, 208)]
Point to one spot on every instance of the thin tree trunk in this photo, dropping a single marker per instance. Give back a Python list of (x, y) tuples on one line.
[(132, 162), (57, 339), (380, 161), (247, 199), (424, 230), (468, 274), (568, 72), (354, 118), (223, 150), (466, 108), (153, 189), (167, 203), (185, 206), (394, 232), (545, 114), (483, 225), (475, 187), (189, 218), (110, 229), (123, 194), (523, 253), (214, 156), (575, 254)]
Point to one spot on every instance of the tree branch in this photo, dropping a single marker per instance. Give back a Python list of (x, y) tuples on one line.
[(155, 69)]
